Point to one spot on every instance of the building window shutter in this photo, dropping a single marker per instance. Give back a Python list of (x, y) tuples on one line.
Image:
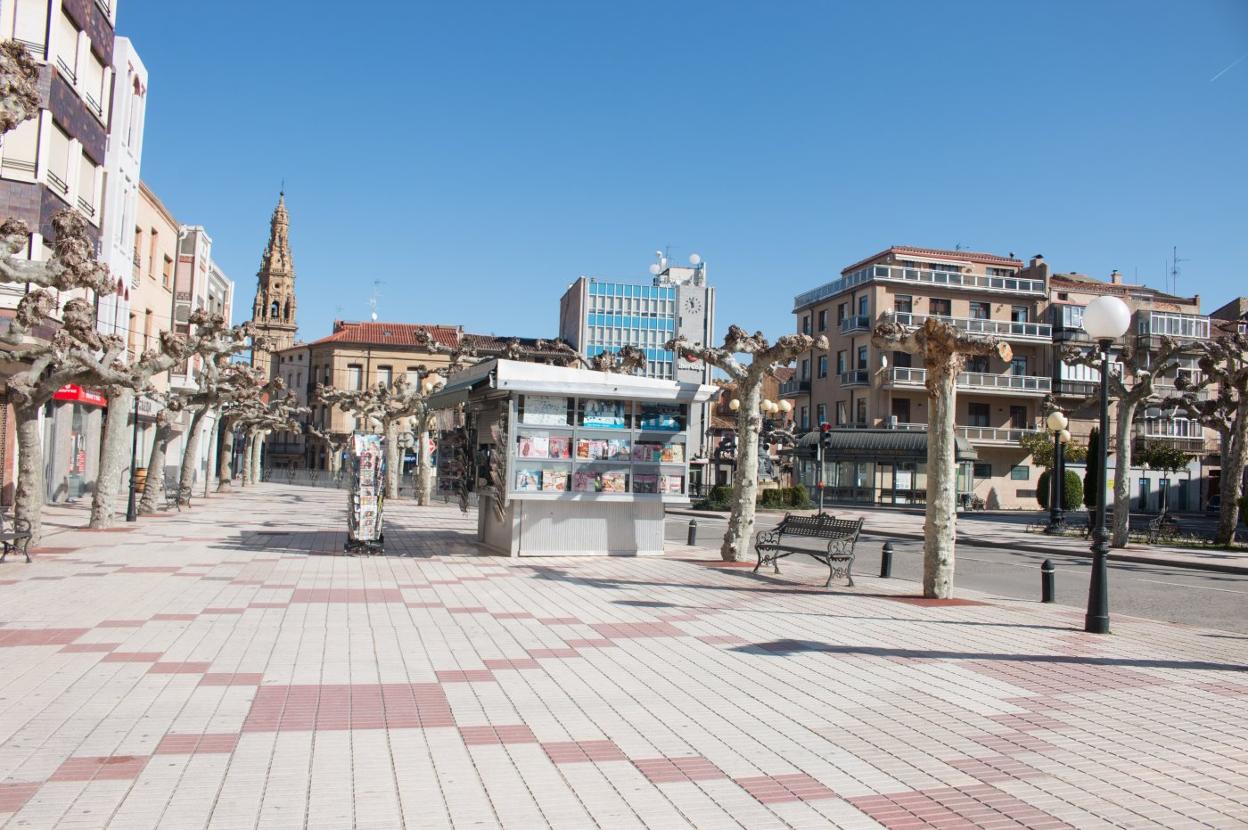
[(67, 47), (30, 23), (19, 150)]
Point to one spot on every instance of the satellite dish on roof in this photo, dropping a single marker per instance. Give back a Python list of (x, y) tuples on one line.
[(654, 269)]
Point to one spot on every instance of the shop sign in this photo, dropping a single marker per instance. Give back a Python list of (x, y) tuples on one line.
[(76, 394)]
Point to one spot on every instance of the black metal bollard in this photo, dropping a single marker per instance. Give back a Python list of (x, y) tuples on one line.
[(886, 561), (693, 532), (1046, 580)]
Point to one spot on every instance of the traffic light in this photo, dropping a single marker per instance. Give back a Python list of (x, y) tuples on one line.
[(825, 437)]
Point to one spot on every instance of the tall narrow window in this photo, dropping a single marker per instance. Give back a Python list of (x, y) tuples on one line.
[(981, 311), (862, 357), (86, 187), (355, 376), (385, 375), (19, 151), (30, 25), (823, 365), (978, 414), (66, 51), (58, 160)]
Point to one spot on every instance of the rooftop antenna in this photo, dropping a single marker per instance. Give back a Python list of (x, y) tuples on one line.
[(1174, 269), (372, 301)]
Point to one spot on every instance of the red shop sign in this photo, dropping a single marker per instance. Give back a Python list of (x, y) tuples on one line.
[(75, 393)]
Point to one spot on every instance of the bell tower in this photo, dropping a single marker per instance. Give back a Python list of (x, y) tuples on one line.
[(274, 310)]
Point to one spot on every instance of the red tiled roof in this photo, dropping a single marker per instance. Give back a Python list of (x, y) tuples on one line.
[(785, 373), (388, 334), (1091, 285), (963, 256)]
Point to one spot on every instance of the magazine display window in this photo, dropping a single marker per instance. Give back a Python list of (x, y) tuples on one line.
[(581, 462), (366, 467)]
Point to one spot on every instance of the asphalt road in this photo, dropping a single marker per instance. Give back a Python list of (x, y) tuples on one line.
[(1199, 598)]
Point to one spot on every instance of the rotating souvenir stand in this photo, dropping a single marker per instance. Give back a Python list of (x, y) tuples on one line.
[(366, 465), (577, 461)]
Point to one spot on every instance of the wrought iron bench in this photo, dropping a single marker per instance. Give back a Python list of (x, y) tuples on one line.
[(17, 538), (171, 494), (841, 536), (1155, 527)]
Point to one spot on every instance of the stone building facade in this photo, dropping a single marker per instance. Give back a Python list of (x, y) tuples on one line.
[(274, 310)]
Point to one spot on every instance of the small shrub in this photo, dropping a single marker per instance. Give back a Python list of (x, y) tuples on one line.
[(1072, 493), (799, 496)]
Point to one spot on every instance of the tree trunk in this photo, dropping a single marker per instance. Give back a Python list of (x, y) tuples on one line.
[(244, 473), (257, 457), (394, 459), (424, 481), (1122, 474), (209, 451), (156, 469), (31, 488), (112, 458), (1233, 461), (940, 524), (190, 457), (225, 470), (736, 546)]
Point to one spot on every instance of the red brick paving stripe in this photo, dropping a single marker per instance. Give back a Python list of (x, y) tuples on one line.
[(1049, 678), (121, 624), (189, 744), (797, 786), (51, 551), (14, 796), (638, 629), (722, 640), (178, 668), (348, 706), (133, 657), (9, 581), (541, 653), (488, 735), (573, 752), (174, 617), (667, 770), (229, 679), (13, 637), (994, 769), (423, 604), (1225, 689), (512, 663), (216, 578), (980, 805), (464, 676), (268, 605), (100, 768), (933, 602), (591, 643), (85, 648), (347, 595), (513, 615)]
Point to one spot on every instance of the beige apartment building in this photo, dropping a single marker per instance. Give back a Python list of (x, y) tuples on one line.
[(872, 397)]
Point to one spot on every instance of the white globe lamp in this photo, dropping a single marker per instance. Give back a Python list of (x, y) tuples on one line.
[(1106, 318), (1057, 421), (734, 404), (785, 406), (1063, 436)]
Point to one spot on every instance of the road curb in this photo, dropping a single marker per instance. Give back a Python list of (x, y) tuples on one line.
[(1217, 567)]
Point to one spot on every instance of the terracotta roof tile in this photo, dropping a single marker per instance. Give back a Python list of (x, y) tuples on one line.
[(389, 334), (963, 256)]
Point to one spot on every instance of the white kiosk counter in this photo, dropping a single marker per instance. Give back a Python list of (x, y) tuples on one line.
[(573, 461)]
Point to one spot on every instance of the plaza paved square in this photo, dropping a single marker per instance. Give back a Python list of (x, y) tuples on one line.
[(228, 667)]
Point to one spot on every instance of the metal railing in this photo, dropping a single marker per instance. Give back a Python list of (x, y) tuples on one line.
[(27, 167), (66, 70), (94, 105), (979, 435), (855, 377), (57, 182), (949, 279), (1003, 328), (37, 50), (86, 207), (907, 376), (794, 387), (856, 322)]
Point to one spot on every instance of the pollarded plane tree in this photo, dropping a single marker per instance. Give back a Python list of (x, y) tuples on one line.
[(765, 357), (1132, 384), (19, 85), (1219, 401), (241, 392), (280, 412), (944, 349)]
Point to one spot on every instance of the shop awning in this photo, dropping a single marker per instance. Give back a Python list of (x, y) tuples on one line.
[(76, 394), (886, 445)]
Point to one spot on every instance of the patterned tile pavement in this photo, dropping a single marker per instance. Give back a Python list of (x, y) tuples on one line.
[(228, 667)]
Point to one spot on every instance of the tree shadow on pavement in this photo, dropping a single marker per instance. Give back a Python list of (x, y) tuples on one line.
[(783, 648)]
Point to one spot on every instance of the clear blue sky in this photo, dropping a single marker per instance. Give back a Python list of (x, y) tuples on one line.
[(478, 157)]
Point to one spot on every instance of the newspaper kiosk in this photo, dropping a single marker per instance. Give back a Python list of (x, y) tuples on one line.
[(366, 467), (573, 461)]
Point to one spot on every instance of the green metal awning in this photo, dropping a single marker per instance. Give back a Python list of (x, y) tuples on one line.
[(885, 445)]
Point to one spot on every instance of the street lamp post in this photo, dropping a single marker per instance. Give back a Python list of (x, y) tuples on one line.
[(1057, 423), (132, 508), (1105, 320)]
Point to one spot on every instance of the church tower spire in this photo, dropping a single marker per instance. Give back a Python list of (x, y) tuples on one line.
[(274, 310)]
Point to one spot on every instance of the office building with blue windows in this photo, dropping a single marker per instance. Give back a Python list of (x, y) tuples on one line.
[(597, 315)]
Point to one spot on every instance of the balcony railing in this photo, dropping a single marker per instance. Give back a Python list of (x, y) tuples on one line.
[(856, 377), (794, 387), (1021, 384), (67, 70), (24, 167), (57, 183), (86, 207), (946, 279), (37, 50), (978, 435), (999, 328), (1075, 388), (858, 322), (93, 104)]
